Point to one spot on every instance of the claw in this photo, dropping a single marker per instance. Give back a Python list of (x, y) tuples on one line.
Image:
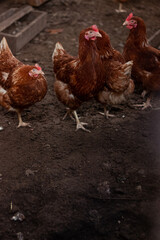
[(120, 10), (106, 113), (80, 124), (23, 124), (143, 105)]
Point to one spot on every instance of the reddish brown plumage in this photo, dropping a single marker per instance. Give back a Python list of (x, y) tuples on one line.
[(18, 89), (85, 78), (146, 59), (118, 84), (78, 78)]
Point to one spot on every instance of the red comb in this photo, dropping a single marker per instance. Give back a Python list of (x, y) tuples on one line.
[(129, 17), (38, 67), (95, 28)]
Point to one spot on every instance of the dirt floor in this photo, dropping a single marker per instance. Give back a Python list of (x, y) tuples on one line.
[(77, 185)]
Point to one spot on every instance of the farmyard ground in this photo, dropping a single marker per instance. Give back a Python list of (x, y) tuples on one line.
[(76, 185)]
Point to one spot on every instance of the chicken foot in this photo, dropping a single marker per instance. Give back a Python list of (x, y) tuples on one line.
[(145, 104), (106, 113), (120, 9), (21, 123), (80, 124)]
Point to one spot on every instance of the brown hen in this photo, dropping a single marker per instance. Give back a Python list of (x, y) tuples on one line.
[(118, 83), (20, 85), (146, 59), (78, 78)]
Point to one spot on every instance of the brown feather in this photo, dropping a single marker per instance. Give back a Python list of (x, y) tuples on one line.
[(146, 59), (82, 76), (18, 89), (118, 84)]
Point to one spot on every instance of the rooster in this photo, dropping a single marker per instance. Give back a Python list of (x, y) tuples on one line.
[(118, 83), (146, 59), (78, 78), (20, 85), (120, 6)]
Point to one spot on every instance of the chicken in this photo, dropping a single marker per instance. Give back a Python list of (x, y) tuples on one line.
[(20, 85), (146, 59), (118, 84), (78, 79), (120, 6)]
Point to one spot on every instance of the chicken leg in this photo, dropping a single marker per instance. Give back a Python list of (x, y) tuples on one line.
[(69, 112), (145, 104), (21, 123), (120, 9), (80, 124), (106, 113)]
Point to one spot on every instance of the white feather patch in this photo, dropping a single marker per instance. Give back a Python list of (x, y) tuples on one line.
[(2, 90), (3, 44), (71, 96), (74, 63), (5, 75), (57, 49)]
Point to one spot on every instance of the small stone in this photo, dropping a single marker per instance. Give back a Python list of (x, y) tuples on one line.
[(107, 165), (104, 189), (20, 236), (57, 121), (139, 188), (47, 145), (94, 216), (141, 171), (29, 172), (18, 217), (1, 128)]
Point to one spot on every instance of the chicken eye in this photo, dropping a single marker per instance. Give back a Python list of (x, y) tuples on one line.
[(33, 69)]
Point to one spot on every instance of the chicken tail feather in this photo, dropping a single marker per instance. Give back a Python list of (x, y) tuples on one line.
[(128, 68), (4, 45), (57, 50)]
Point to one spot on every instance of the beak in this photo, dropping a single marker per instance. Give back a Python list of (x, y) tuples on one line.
[(125, 23), (98, 34)]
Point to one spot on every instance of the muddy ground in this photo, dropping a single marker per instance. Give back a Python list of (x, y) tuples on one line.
[(77, 185)]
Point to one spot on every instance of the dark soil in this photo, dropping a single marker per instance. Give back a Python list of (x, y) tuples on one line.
[(76, 185)]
